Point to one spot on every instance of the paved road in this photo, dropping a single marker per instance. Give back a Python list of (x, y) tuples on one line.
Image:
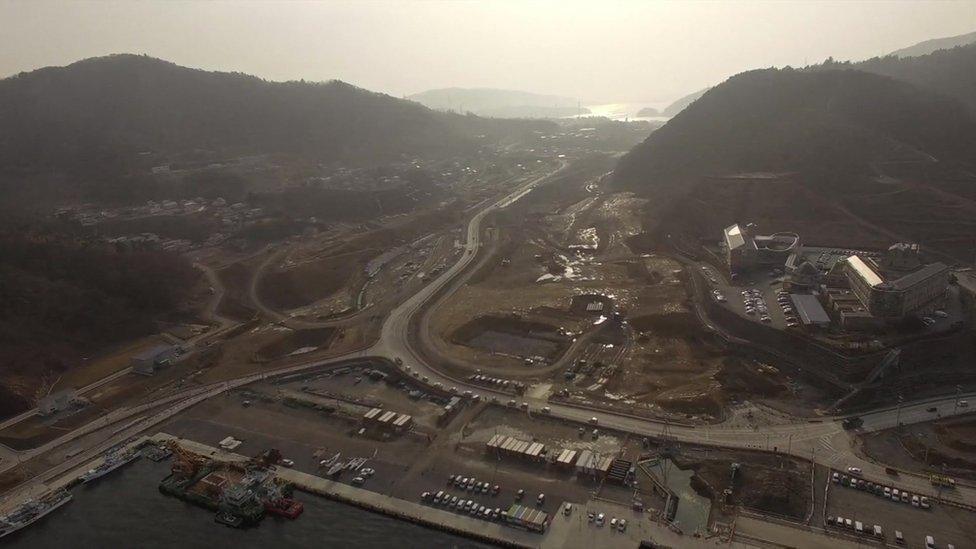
[(825, 441)]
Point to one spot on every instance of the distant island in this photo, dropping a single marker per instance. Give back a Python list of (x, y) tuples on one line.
[(647, 112)]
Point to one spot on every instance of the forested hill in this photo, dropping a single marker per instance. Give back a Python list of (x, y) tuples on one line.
[(930, 46), (105, 109), (951, 72), (830, 124)]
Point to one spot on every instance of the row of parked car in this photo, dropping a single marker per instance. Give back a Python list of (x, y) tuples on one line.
[(462, 505), (600, 519), (859, 527), (785, 303), (755, 303), (886, 492), (472, 484)]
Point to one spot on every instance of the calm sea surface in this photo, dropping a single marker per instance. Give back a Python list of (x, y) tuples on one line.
[(126, 510)]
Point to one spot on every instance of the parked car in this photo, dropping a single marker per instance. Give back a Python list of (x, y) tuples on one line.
[(854, 471)]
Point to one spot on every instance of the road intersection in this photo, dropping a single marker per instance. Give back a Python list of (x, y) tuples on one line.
[(824, 440)]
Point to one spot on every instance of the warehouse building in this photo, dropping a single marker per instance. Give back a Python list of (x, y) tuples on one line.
[(57, 402), (150, 360), (810, 311)]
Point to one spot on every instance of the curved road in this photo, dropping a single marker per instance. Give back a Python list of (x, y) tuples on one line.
[(823, 441)]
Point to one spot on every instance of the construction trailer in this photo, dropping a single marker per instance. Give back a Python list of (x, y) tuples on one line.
[(566, 459), (503, 445), (527, 517), (592, 464)]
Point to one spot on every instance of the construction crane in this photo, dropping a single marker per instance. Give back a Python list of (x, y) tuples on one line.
[(185, 463)]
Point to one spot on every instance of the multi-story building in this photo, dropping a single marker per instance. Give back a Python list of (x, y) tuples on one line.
[(745, 250), (899, 285)]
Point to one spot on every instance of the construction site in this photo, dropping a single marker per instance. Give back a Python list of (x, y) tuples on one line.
[(522, 371)]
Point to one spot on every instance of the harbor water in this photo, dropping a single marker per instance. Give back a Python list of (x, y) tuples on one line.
[(126, 509)]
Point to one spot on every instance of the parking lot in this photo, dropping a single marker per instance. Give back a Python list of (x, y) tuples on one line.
[(945, 523), (478, 498), (761, 292)]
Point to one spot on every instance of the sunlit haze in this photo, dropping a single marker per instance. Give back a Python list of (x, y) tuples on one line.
[(595, 51)]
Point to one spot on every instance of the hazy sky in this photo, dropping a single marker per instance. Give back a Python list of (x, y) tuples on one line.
[(600, 51)]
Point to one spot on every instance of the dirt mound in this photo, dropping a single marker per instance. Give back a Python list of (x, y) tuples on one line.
[(696, 404), (235, 303), (762, 483), (738, 378), (683, 324), (320, 338), (310, 282), (958, 435)]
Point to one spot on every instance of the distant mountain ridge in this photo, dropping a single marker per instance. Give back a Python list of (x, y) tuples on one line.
[(117, 106), (679, 104), (935, 44), (498, 102), (951, 72)]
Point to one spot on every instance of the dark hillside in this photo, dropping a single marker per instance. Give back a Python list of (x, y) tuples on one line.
[(104, 111), (834, 131), (64, 297), (951, 72)]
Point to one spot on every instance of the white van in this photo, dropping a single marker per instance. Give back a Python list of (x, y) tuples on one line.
[(858, 527), (929, 542), (899, 538), (878, 532)]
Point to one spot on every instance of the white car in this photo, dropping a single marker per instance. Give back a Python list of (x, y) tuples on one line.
[(600, 518), (854, 471)]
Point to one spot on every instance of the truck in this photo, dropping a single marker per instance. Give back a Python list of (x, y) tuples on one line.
[(943, 481)]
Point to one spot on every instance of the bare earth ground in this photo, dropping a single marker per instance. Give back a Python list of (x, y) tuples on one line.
[(945, 446), (557, 247)]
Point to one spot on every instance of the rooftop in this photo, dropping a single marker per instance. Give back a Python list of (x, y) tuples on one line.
[(864, 271), (932, 269), (734, 237), (809, 309)]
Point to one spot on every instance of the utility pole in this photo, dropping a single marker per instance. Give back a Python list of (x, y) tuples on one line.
[(898, 413)]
